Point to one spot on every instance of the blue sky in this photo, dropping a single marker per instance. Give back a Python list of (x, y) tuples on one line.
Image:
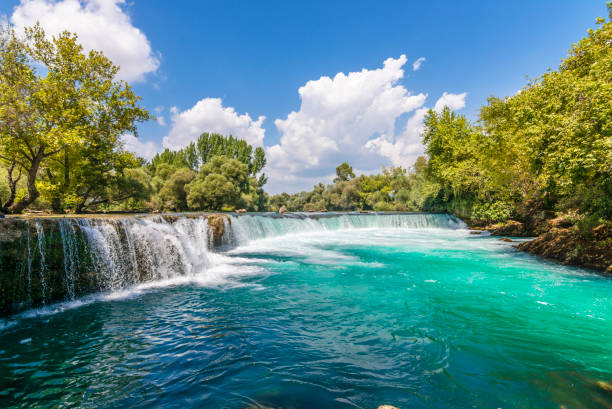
[(255, 56)]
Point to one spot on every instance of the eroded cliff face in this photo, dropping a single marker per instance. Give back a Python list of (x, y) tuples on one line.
[(50, 259)]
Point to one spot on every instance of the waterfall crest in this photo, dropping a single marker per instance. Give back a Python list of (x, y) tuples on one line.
[(245, 228), (60, 259)]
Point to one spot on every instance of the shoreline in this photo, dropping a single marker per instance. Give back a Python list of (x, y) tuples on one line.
[(564, 245)]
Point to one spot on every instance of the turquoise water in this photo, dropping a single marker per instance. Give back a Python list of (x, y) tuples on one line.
[(416, 317)]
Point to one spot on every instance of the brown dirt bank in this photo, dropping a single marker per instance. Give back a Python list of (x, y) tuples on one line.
[(570, 247), (556, 239)]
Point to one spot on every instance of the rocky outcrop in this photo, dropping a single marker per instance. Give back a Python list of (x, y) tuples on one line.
[(216, 224), (22, 284), (509, 228), (557, 239), (50, 259), (283, 209), (568, 246)]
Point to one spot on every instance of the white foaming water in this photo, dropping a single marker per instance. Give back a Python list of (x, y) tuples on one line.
[(246, 228), (124, 257), (130, 251)]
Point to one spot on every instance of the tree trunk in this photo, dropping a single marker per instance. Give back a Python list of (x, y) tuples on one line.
[(81, 206), (56, 202), (12, 184), (33, 193)]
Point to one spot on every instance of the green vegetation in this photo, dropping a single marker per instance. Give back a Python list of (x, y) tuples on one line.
[(61, 117), (544, 151), (212, 173), (62, 114)]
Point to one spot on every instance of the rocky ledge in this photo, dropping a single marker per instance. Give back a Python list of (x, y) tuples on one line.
[(569, 247), (557, 239)]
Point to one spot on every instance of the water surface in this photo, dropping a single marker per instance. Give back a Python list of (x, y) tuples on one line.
[(331, 315)]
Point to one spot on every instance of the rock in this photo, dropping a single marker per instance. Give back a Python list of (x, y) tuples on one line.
[(216, 224), (602, 232), (569, 247), (506, 239), (604, 386), (509, 228), (241, 211), (475, 231), (283, 209), (9, 230), (560, 222)]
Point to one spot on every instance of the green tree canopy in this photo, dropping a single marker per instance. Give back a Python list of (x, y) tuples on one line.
[(209, 145), (344, 172), (57, 106)]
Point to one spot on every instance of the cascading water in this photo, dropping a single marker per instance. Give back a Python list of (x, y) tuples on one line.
[(78, 256), (248, 227), (40, 233), (128, 251), (71, 256), (28, 261)]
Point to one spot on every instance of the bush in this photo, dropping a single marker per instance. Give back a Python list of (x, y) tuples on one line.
[(493, 212), (586, 225)]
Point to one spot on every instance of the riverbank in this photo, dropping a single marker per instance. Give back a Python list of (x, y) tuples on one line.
[(559, 240)]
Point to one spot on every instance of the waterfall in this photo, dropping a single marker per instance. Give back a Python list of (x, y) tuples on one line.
[(29, 260), (40, 233), (128, 251), (251, 227), (77, 256), (71, 261)]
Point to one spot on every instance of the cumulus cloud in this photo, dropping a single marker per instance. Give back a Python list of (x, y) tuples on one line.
[(417, 64), (348, 117), (366, 118), (453, 101), (143, 149), (101, 25), (159, 117), (209, 115)]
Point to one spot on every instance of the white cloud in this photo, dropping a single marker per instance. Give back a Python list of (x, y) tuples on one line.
[(417, 64), (453, 101), (403, 149), (143, 149), (366, 118), (349, 117), (159, 117), (101, 25), (209, 115)]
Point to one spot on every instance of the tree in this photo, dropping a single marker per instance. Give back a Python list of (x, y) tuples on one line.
[(219, 184), (173, 193), (558, 129), (50, 120), (344, 172), (207, 146)]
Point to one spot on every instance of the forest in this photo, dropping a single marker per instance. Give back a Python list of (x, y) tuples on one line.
[(544, 152)]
